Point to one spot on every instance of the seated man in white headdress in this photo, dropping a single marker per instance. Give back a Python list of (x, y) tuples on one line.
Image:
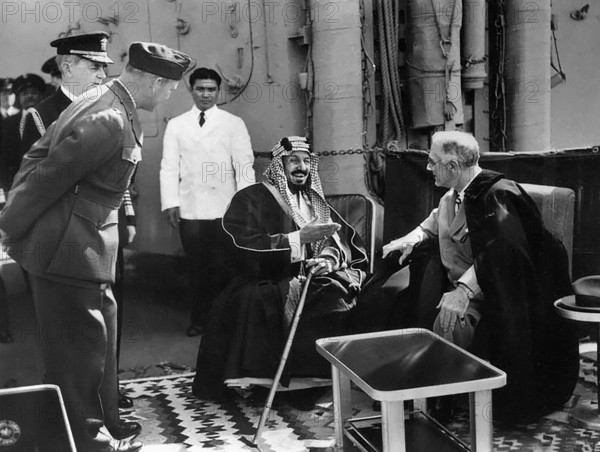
[(280, 229)]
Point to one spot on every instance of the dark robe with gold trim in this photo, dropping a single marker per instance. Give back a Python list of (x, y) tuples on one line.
[(246, 332)]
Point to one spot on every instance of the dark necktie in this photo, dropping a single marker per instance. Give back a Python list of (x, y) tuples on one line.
[(202, 119), (457, 203)]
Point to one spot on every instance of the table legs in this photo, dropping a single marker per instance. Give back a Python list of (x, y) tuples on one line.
[(392, 426), (482, 429), (342, 407), (587, 414)]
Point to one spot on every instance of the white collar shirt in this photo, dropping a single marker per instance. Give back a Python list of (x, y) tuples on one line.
[(68, 93), (203, 167), (461, 194), (10, 111)]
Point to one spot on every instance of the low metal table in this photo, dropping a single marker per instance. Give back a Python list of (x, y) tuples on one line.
[(585, 414), (410, 364)]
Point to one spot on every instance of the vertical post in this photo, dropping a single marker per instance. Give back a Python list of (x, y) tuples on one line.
[(342, 406), (598, 366), (392, 426), (420, 405), (482, 428), (528, 75), (338, 94)]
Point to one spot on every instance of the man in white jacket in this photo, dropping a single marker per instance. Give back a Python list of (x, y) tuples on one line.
[(207, 157)]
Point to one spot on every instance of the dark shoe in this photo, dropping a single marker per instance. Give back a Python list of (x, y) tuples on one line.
[(124, 445), (124, 401), (193, 330), (125, 430)]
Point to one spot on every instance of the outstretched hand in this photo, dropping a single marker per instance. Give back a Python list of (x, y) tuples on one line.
[(315, 231), (404, 246)]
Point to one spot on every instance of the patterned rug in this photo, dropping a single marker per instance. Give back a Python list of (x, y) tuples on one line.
[(171, 415)]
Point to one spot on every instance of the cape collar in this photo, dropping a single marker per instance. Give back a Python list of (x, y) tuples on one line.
[(482, 182)]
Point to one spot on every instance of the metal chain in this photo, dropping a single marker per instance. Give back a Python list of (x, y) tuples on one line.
[(392, 149), (499, 111), (446, 44), (443, 39)]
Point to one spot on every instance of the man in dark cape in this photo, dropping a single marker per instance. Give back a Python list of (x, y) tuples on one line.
[(492, 286), (280, 229)]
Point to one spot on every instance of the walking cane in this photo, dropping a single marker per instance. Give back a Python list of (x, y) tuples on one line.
[(284, 357)]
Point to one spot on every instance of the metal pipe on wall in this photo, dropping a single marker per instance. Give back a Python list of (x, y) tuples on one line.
[(473, 44), (338, 102), (527, 68), (433, 61)]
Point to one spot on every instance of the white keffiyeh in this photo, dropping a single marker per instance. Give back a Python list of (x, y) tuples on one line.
[(275, 174)]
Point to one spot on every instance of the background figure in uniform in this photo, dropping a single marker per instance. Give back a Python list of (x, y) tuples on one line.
[(82, 60), (29, 89), (6, 93), (6, 336), (50, 67), (76, 214), (280, 229), (207, 157), (491, 286), (6, 109)]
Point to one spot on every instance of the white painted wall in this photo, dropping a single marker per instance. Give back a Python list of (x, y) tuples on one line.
[(576, 103)]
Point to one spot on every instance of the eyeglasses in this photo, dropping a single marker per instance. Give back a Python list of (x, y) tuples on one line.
[(432, 163)]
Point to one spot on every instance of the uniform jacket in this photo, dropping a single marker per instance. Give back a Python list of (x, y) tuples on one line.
[(10, 149), (521, 269), (203, 167), (48, 111), (61, 217), (36, 122)]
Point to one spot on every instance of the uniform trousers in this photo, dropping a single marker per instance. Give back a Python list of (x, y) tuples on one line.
[(77, 326), (206, 246)]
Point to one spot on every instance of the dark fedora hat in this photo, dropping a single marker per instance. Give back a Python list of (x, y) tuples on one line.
[(587, 291)]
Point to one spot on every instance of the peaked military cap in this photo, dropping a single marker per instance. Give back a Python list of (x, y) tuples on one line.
[(158, 59), (91, 46), (51, 67), (29, 81), (6, 84)]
